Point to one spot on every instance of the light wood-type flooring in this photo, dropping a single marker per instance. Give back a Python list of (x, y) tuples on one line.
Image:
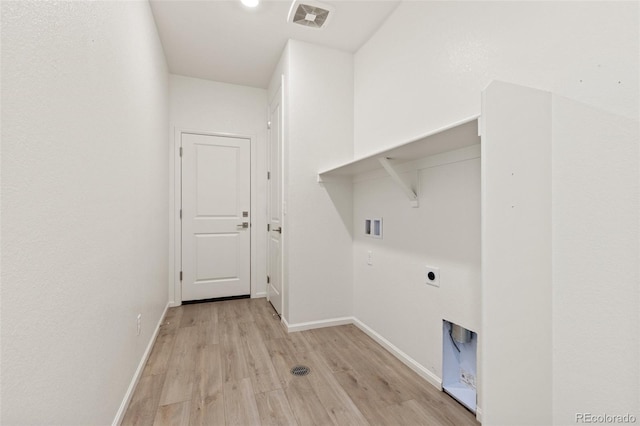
[(228, 363)]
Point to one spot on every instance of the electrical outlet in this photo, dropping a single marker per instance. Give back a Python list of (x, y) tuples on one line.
[(139, 324), (432, 276), (370, 258)]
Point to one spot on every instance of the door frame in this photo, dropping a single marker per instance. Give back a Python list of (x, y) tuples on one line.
[(175, 200)]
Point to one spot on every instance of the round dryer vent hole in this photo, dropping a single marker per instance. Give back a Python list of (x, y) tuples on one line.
[(300, 370)]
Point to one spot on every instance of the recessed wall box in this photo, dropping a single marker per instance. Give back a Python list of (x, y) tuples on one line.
[(373, 227), (459, 363)]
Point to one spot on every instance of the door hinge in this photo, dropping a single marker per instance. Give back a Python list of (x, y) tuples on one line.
[(268, 175), (268, 279), (180, 151), (180, 214), (180, 275), (268, 227), (268, 125)]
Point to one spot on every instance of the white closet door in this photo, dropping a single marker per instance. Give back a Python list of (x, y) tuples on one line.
[(274, 267)]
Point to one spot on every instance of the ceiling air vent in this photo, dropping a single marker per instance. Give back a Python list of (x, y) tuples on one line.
[(311, 14)]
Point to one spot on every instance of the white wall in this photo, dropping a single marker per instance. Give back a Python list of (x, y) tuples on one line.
[(596, 282), (209, 106), (84, 205), (426, 67), (318, 132), (560, 278), (427, 64), (391, 296), (516, 256)]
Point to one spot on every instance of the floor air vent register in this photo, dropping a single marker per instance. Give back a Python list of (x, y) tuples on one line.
[(300, 370)]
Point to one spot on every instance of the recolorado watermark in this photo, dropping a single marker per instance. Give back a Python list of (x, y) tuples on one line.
[(605, 418)]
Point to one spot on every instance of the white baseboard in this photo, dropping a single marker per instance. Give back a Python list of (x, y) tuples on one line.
[(406, 359), (479, 414), (284, 323), (301, 326), (136, 376), (259, 295)]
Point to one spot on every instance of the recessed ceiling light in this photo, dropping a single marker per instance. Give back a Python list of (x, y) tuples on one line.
[(250, 3)]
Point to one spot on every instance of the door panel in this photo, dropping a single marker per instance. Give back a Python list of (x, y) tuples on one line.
[(216, 164), (215, 192), (225, 249), (274, 286)]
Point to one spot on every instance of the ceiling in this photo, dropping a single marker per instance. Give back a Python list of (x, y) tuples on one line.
[(224, 41)]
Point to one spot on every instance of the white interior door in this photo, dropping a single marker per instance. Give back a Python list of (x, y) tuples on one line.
[(216, 243), (274, 263)]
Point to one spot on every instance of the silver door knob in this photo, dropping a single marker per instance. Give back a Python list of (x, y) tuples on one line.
[(278, 230), (243, 225)]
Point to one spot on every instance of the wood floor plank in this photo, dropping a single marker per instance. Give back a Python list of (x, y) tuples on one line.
[(144, 402), (305, 404), (390, 386), (208, 372), (171, 320), (243, 311), (207, 402), (369, 401), (328, 343), (173, 415), (317, 338), (248, 331), (210, 311), (178, 384), (445, 414), (274, 409), (266, 322), (283, 359), (385, 370), (208, 410), (261, 308), (261, 371), (209, 326), (399, 414), (366, 344), (233, 358), (240, 405), (415, 413), (299, 342), (226, 313), (192, 315), (336, 401), (160, 354), (236, 311)]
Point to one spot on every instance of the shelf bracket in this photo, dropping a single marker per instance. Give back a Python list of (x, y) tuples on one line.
[(410, 193)]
